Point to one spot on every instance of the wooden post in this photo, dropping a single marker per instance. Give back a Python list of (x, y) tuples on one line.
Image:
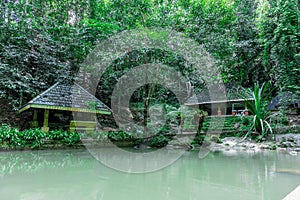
[(34, 123), (45, 127), (233, 111), (246, 110), (219, 110), (35, 115)]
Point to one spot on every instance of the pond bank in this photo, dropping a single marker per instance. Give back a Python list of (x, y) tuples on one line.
[(289, 143)]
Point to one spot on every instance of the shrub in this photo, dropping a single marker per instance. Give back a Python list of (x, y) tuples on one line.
[(34, 138), (119, 135), (262, 117), (159, 141)]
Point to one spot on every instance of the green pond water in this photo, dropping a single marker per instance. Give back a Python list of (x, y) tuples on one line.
[(77, 175)]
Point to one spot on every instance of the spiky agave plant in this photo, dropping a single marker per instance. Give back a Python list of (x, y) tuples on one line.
[(257, 106)]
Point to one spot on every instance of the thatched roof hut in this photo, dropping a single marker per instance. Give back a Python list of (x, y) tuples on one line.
[(64, 96)]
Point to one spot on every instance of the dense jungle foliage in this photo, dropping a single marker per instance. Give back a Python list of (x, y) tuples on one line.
[(46, 40)]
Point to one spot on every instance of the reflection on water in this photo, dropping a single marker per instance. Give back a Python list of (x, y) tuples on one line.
[(78, 175), (13, 162)]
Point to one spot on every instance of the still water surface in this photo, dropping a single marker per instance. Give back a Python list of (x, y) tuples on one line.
[(76, 175)]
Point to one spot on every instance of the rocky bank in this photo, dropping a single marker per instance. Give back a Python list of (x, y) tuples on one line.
[(289, 143)]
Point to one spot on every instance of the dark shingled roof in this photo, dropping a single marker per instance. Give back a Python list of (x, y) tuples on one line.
[(284, 99), (67, 96), (217, 94)]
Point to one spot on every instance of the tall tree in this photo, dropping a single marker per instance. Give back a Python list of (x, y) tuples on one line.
[(245, 67), (280, 37)]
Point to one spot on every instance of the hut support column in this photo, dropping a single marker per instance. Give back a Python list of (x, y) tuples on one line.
[(34, 123), (45, 127), (219, 110), (233, 111), (246, 112), (35, 115)]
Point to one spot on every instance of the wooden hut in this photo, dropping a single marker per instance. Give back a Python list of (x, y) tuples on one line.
[(225, 102), (65, 105)]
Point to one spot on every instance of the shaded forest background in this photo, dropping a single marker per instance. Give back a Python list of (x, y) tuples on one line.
[(46, 41)]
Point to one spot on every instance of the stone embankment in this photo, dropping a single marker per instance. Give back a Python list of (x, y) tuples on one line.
[(289, 143)]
